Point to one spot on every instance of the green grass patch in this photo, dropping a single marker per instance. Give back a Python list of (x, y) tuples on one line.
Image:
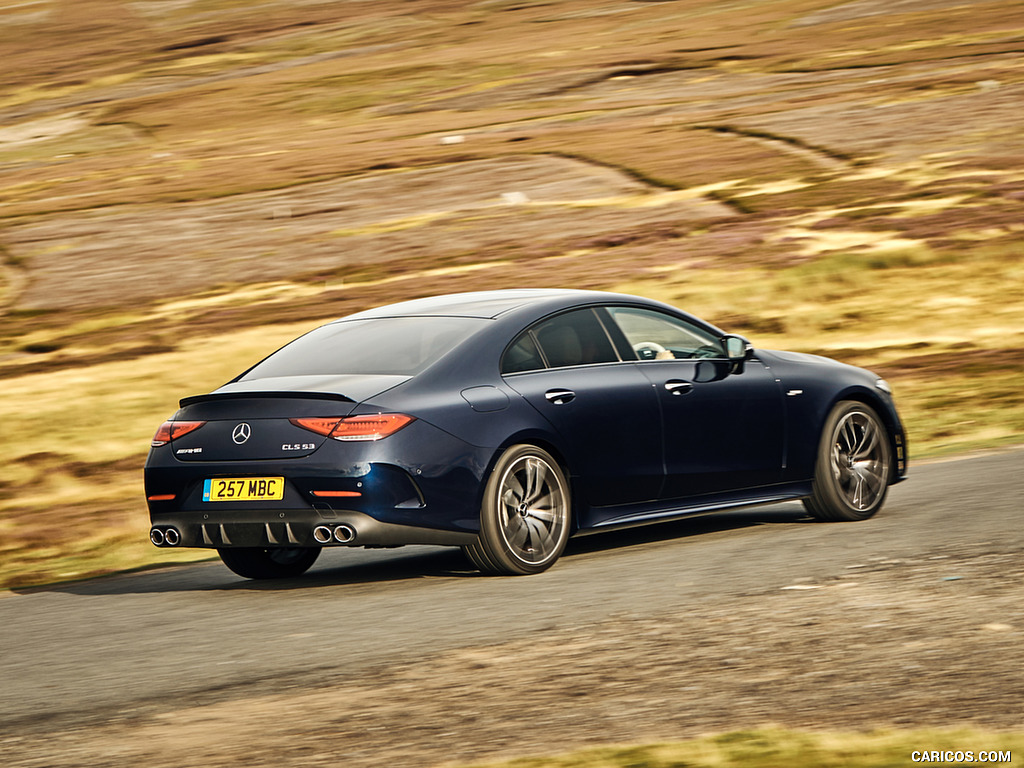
[(777, 748), (952, 414), (104, 553)]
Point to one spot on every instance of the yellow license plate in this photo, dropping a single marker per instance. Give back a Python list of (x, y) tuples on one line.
[(243, 489)]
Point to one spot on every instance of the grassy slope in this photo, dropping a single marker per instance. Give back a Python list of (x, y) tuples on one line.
[(873, 178)]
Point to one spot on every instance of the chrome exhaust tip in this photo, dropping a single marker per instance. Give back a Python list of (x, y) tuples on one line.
[(322, 534), (156, 536), (171, 537), (344, 534)]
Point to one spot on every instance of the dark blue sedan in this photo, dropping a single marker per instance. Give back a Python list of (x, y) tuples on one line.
[(505, 422)]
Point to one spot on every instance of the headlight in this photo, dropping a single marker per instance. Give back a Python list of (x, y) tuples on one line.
[(883, 385)]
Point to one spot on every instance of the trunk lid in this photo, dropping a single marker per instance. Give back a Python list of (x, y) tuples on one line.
[(251, 421)]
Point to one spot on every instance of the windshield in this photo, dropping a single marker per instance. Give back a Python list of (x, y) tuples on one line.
[(401, 346)]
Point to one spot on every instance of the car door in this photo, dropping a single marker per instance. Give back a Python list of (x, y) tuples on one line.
[(605, 412), (722, 422)]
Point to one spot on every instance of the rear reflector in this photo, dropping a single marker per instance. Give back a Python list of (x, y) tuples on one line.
[(162, 497), (172, 430), (336, 494), (374, 427)]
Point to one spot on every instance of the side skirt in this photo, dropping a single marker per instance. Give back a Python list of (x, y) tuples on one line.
[(662, 512)]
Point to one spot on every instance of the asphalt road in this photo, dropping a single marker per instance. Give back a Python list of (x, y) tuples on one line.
[(129, 643)]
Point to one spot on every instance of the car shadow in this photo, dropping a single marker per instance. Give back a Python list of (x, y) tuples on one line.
[(367, 567)]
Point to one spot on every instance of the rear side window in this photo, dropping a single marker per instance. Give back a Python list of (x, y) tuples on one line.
[(523, 355), (389, 345), (572, 338)]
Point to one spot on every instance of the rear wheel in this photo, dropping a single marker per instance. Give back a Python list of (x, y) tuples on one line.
[(525, 515), (854, 464), (269, 563)]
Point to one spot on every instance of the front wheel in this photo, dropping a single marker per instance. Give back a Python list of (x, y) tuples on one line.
[(525, 516), (854, 465), (269, 563)]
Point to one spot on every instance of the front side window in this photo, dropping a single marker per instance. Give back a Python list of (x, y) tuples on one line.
[(656, 336)]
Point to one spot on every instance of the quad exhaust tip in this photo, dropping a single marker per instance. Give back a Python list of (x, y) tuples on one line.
[(165, 537), (342, 534)]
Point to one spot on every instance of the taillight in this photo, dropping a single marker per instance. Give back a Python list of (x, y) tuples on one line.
[(373, 427), (172, 430), (320, 426)]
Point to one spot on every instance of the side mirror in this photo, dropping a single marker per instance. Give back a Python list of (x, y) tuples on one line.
[(738, 350)]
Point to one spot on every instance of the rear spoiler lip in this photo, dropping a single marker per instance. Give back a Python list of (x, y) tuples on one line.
[(293, 395)]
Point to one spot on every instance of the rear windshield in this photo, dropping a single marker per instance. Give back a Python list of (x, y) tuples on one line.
[(401, 346)]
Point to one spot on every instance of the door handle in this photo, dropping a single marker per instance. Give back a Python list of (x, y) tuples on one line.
[(559, 396), (678, 387)]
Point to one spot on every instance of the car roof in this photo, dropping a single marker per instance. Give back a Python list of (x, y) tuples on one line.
[(486, 304)]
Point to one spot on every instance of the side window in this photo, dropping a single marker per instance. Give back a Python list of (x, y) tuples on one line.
[(522, 356), (575, 338), (657, 336)]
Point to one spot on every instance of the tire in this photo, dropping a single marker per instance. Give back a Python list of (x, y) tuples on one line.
[(273, 563), (525, 516), (853, 467)]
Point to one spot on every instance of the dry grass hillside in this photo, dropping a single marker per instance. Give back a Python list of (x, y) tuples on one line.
[(185, 184)]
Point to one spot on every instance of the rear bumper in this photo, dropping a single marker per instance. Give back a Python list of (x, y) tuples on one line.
[(291, 528), (417, 488)]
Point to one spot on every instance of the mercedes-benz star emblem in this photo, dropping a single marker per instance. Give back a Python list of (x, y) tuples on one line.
[(241, 433)]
